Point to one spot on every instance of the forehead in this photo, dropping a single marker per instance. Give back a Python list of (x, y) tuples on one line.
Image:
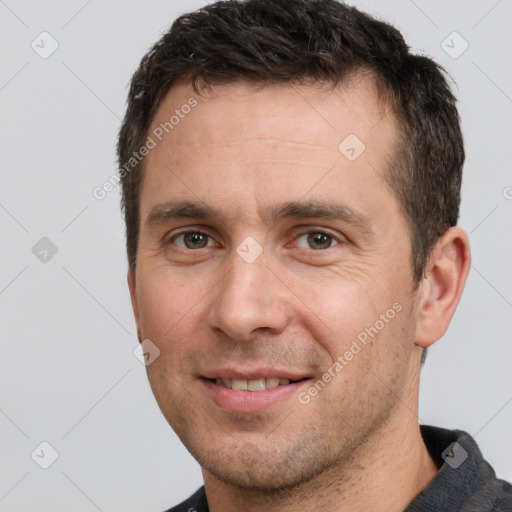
[(242, 143), (324, 112)]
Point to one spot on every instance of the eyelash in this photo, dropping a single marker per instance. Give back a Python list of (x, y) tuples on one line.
[(301, 234)]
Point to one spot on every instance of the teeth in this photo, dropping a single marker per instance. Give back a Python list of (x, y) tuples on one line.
[(239, 385), (256, 385), (252, 385), (271, 382)]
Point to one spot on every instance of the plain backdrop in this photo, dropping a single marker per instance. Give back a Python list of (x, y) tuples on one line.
[(68, 375)]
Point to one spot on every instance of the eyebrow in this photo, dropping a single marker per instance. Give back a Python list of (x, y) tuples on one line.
[(186, 209)]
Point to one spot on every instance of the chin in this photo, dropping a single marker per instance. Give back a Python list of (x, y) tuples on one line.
[(262, 468)]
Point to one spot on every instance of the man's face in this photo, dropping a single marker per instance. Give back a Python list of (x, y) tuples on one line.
[(270, 287)]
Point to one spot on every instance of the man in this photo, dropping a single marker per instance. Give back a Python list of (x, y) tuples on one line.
[(291, 178)]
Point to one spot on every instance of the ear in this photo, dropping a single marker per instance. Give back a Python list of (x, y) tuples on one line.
[(440, 291), (132, 285)]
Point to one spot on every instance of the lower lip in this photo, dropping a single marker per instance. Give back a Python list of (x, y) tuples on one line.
[(250, 401)]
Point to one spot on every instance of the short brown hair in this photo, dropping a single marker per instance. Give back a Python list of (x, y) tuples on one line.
[(301, 41)]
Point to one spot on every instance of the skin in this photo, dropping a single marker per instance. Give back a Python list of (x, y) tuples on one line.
[(244, 150)]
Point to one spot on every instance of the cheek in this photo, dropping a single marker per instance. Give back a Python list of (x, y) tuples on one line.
[(167, 306), (339, 307), (361, 319)]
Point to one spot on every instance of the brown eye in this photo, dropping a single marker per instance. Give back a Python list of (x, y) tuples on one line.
[(316, 240), (319, 240), (192, 240)]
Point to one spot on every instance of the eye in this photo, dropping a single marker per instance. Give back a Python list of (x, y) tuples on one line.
[(316, 240), (191, 240)]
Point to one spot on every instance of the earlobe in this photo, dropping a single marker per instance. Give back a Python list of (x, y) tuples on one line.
[(442, 286), (132, 285)]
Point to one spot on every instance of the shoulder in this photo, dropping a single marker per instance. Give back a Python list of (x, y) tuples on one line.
[(465, 480), (503, 497)]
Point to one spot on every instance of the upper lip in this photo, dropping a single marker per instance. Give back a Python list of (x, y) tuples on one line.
[(253, 373)]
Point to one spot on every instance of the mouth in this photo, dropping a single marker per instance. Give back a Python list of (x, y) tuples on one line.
[(254, 393), (254, 385)]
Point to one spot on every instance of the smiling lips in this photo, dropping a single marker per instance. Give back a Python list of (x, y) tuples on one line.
[(248, 392)]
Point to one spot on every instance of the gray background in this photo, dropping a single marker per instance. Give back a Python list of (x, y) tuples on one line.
[(68, 373)]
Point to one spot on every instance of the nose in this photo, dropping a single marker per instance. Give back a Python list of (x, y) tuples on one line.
[(250, 298)]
